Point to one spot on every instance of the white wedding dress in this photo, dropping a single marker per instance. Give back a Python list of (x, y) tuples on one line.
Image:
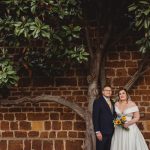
[(131, 139)]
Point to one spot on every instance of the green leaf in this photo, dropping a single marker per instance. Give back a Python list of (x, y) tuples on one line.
[(132, 7)]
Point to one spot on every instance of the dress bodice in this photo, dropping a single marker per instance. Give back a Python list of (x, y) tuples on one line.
[(128, 112)]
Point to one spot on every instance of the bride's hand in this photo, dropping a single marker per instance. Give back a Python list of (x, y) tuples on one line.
[(126, 125)]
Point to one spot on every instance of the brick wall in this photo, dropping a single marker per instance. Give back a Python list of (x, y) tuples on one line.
[(45, 126), (49, 126)]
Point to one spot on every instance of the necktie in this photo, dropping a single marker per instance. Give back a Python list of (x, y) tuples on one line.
[(109, 103)]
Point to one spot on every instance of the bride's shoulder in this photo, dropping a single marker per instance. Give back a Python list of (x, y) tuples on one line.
[(131, 103)]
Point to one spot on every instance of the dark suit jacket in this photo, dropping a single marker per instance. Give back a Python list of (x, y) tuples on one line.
[(103, 116)]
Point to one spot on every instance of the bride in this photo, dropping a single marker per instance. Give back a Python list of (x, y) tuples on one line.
[(129, 136)]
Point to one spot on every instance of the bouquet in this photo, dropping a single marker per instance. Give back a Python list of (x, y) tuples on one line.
[(120, 121)]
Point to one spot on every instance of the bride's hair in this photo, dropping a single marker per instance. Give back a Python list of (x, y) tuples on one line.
[(128, 96)]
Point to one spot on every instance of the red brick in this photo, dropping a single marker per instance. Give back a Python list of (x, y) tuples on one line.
[(121, 72), (15, 109), (131, 64), (44, 135), (74, 145), (54, 116), (37, 145), (140, 125), (142, 92), (42, 82), (38, 116), (33, 134), (78, 118), (79, 126), (120, 81), (144, 103), (52, 134), (14, 125), (131, 71), (142, 109), (20, 134), (82, 81), (59, 145), (24, 125), (1, 116), (146, 135), (66, 92), (147, 80), (28, 109), (66, 81), (70, 72), (62, 134), (136, 98), (81, 134), (3, 145), (56, 93), (113, 56), (136, 55), (5, 125), (116, 64), (81, 98), (67, 116), (110, 72), (72, 134), (20, 116), (81, 72), (9, 117), (148, 109), (56, 125), (145, 116), (125, 55), (47, 125), (7, 134), (3, 110), (77, 93), (67, 110), (147, 72), (48, 145), (15, 145), (27, 145), (67, 125)]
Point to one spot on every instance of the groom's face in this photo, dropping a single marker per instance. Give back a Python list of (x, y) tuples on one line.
[(107, 92)]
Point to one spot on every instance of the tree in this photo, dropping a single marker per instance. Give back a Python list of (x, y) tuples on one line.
[(56, 23)]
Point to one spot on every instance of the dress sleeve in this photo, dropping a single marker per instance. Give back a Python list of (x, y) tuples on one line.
[(135, 109)]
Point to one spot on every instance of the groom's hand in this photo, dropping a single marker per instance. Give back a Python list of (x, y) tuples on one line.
[(99, 136)]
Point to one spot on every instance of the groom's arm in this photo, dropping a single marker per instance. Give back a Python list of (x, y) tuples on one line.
[(96, 115), (96, 119)]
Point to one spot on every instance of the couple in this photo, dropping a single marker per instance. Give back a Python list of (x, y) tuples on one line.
[(104, 112)]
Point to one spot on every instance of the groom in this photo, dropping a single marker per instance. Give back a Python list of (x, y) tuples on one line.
[(103, 115)]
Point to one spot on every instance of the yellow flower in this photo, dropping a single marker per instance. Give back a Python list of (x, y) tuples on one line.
[(123, 118), (117, 122)]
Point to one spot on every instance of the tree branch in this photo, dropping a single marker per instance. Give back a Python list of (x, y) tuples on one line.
[(47, 98), (88, 41), (141, 70)]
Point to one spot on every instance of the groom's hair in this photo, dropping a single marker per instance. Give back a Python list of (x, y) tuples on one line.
[(106, 86)]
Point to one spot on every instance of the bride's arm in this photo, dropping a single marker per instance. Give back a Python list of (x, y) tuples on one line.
[(136, 117)]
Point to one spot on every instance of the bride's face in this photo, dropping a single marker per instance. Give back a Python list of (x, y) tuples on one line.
[(123, 95)]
